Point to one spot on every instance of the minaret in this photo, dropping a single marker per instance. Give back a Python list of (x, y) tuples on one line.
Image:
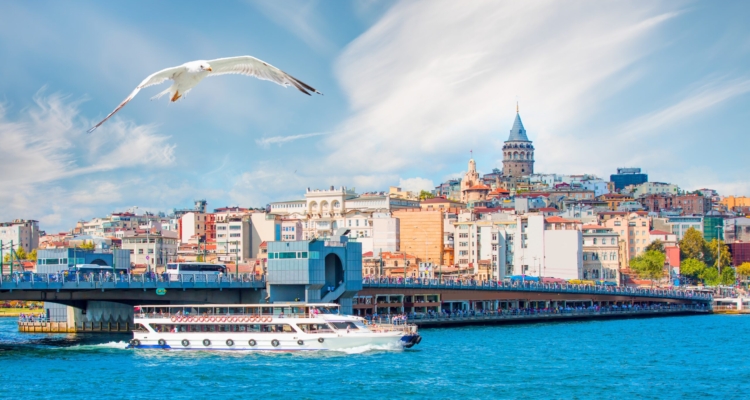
[(518, 152)]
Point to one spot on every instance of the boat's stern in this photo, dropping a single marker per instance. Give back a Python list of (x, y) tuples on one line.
[(410, 339)]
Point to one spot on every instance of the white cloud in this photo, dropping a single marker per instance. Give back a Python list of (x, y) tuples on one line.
[(431, 78), (267, 141), (416, 184), (53, 169)]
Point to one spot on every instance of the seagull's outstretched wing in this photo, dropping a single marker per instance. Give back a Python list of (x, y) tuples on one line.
[(251, 66), (153, 79)]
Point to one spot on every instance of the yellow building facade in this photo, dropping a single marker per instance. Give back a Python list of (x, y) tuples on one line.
[(421, 234)]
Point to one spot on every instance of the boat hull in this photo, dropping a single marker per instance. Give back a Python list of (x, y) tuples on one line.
[(227, 342)]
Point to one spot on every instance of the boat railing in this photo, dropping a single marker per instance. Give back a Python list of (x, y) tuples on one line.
[(387, 325), (223, 317)]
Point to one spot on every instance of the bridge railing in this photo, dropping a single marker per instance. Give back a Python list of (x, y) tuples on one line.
[(419, 283), (541, 313), (27, 280)]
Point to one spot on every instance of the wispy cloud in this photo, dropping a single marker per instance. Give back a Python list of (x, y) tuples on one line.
[(52, 164), (279, 140), (701, 99), (432, 77), (298, 17)]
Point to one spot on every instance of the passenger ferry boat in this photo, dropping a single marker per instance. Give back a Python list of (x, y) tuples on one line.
[(278, 327)]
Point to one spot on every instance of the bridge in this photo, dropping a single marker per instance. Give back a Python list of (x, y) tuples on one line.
[(104, 302), (132, 289)]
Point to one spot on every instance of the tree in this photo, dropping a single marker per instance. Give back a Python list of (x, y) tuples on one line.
[(692, 245), (657, 245), (87, 245), (743, 270), (712, 250), (649, 265), (728, 276), (692, 268), (710, 276), (424, 195)]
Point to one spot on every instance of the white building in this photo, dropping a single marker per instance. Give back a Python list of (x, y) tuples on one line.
[(601, 253), (23, 233), (154, 249), (291, 230), (323, 212), (192, 224), (681, 224), (233, 238), (647, 188), (550, 247), (263, 228), (385, 233)]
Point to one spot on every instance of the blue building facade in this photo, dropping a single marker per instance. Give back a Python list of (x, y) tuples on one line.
[(50, 261), (627, 176), (317, 271)]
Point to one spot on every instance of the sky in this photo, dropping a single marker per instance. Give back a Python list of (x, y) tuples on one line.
[(411, 89)]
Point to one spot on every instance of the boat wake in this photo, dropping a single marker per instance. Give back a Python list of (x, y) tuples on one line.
[(370, 347), (118, 345)]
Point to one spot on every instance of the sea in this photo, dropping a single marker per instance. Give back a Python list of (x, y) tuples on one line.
[(687, 357)]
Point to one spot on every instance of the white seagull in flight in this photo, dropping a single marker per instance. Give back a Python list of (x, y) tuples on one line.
[(187, 75)]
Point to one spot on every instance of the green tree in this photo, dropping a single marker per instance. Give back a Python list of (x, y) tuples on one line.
[(424, 195), (712, 254), (657, 245), (728, 276), (649, 265), (692, 268), (20, 254), (87, 245), (743, 270), (710, 276), (692, 245)]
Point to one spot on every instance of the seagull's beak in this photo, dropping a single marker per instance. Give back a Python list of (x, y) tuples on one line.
[(209, 69)]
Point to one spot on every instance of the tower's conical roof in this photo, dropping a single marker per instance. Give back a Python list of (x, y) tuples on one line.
[(518, 133)]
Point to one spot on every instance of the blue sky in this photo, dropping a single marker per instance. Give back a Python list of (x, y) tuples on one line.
[(410, 88)]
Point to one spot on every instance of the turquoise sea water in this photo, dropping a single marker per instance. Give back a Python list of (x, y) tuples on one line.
[(676, 357)]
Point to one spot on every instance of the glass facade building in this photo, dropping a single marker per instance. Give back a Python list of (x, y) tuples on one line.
[(627, 176)]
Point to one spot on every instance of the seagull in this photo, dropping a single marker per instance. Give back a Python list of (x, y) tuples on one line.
[(188, 75)]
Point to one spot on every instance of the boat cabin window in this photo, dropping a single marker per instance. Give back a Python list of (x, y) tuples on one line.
[(327, 310), (314, 328), (344, 324), (210, 328), (140, 328)]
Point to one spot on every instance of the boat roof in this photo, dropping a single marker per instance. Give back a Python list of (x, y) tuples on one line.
[(291, 303)]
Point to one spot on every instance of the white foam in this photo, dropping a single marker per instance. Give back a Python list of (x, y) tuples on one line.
[(109, 345), (370, 347)]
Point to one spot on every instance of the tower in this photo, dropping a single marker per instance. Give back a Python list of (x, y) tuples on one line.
[(518, 152)]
